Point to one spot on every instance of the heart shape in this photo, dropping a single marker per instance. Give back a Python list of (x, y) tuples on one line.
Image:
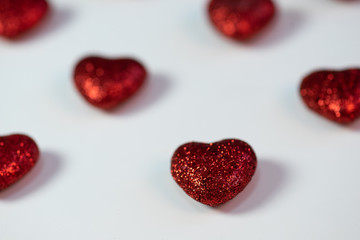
[(18, 155), (18, 16), (241, 19), (213, 173), (105, 83), (333, 94)]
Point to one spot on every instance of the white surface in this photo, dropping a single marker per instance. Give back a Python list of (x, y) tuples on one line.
[(106, 175)]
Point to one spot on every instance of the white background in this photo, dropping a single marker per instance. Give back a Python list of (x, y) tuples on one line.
[(106, 175)]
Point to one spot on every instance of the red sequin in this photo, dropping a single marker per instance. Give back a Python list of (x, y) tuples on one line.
[(333, 94), (105, 83), (241, 19), (213, 173), (18, 154), (17, 16)]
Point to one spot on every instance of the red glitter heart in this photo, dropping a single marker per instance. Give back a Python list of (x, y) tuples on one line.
[(241, 19), (333, 94), (105, 83), (18, 155), (213, 173), (17, 16)]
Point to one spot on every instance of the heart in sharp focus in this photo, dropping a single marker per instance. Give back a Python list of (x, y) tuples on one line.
[(213, 173)]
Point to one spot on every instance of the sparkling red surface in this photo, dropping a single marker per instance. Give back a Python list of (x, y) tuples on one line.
[(241, 19), (18, 154), (17, 16), (106, 83), (333, 94), (213, 173)]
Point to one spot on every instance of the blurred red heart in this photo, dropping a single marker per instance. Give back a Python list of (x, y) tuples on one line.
[(241, 19), (213, 173), (17, 16), (106, 83), (333, 94), (18, 155)]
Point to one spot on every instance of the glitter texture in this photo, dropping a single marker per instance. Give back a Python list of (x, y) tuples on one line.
[(241, 19), (18, 154), (17, 16), (106, 83), (333, 94), (213, 173)]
